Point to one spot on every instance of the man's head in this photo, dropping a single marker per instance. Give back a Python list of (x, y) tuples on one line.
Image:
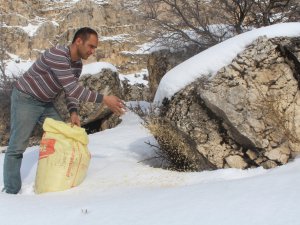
[(86, 41)]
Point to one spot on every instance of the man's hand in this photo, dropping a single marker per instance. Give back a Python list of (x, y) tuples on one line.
[(75, 120), (115, 104)]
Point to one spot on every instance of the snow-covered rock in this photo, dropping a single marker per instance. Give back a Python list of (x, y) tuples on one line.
[(251, 105)]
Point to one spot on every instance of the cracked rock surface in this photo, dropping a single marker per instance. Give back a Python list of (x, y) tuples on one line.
[(248, 114)]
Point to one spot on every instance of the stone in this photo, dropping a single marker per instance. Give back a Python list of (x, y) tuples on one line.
[(253, 121), (120, 29), (46, 29), (160, 62), (269, 164), (265, 143), (135, 92), (280, 154), (271, 96), (236, 161), (14, 19), (252, 155), (106, 82)]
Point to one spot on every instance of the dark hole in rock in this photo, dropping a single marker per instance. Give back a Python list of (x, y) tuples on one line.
[(92, 127)]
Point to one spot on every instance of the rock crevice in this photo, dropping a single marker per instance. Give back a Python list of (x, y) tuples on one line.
[(248, 114)]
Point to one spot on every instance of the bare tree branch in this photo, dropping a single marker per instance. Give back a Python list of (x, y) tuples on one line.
[(267, 12), (205, 23)]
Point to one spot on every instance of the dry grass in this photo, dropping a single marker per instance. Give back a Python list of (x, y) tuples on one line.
[(175, 148)]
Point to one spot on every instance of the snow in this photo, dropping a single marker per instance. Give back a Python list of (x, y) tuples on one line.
[(117, 38), (32, 26), (170, 39), (121, 188), (210, 61), (96, 67), (146, 48), (30, 29), (17, 67), (135, 78), (125, 186), (55, 23)]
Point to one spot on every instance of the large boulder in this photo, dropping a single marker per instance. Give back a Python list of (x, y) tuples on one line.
[(248, 114), (95, 116), (135, 92), (135, 86), (160, 62)]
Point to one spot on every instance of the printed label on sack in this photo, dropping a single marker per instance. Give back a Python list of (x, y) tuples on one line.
[(46, 147), (71, 162)]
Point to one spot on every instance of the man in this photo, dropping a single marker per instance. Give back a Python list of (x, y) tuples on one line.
[(57, 69)]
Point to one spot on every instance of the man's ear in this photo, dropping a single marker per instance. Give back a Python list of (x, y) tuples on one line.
[(78, 41)]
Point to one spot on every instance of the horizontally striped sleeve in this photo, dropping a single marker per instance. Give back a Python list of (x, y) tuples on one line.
[(72, 104), (61, 68)]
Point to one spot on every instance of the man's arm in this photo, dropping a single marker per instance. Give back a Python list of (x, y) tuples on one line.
[(114, 103), (74, 92), (64, 75)]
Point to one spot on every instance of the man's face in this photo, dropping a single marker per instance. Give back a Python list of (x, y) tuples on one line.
[(87, 48)]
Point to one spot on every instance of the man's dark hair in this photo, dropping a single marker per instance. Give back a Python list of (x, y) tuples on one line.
[(84, 33)]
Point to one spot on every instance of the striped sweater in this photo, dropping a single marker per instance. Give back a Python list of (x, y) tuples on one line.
[(53, 72)]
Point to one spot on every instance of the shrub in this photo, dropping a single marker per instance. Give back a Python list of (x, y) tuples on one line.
[(175, 147)]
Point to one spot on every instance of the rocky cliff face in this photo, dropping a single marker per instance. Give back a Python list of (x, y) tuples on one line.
[(248, 114), (31, 26)]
